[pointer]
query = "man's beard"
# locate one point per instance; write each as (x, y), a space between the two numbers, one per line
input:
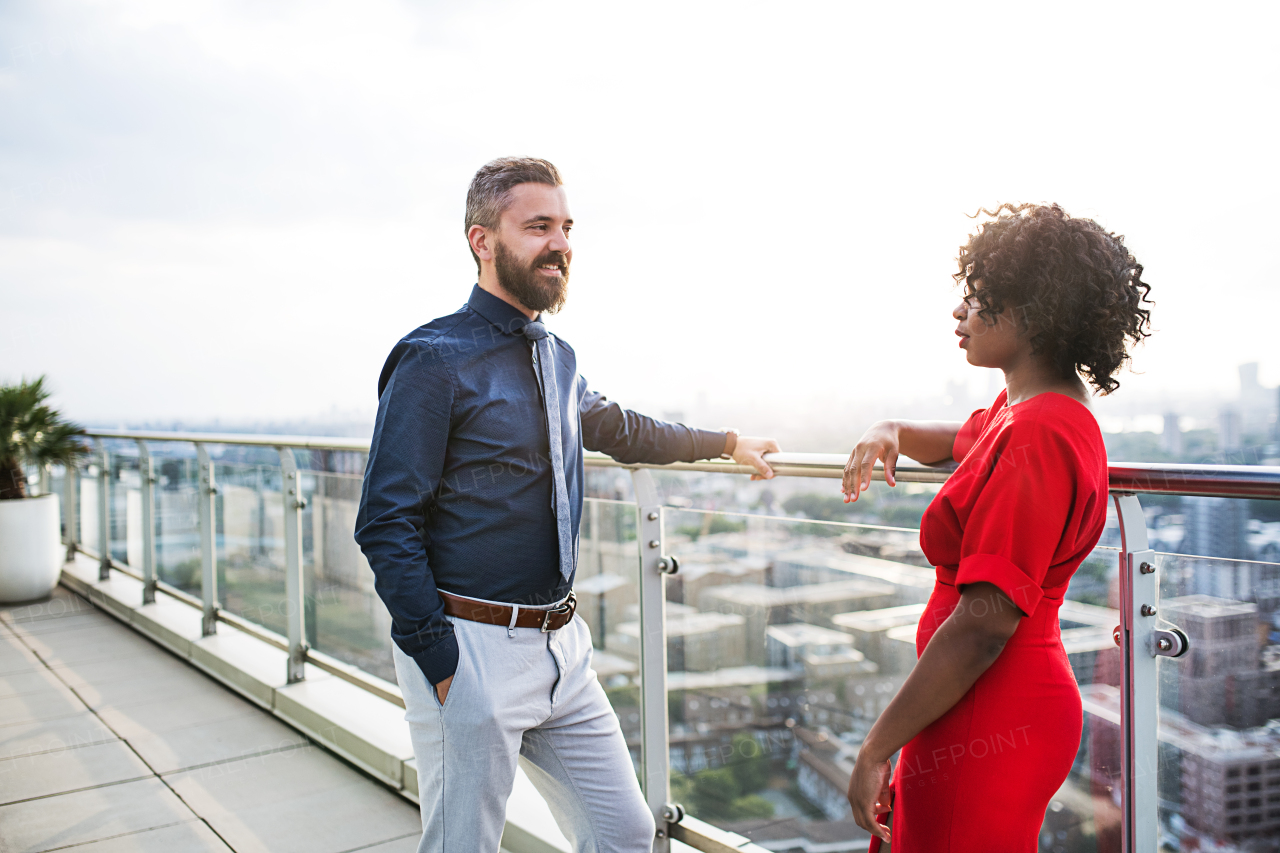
(535, 291)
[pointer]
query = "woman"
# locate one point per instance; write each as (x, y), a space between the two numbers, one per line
(989, 720)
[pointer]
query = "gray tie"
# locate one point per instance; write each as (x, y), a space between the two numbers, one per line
(544, 364)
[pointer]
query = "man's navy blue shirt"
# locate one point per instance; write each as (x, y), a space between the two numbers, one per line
(458, 490)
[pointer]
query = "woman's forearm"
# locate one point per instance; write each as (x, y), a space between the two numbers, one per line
(927, 442)
(961, 650)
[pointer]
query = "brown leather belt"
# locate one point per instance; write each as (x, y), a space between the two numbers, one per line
(500, 614)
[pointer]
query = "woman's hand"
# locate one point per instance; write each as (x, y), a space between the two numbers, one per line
(869, 794)
(880, 441)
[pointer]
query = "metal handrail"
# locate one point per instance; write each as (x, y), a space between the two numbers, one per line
(301, 442)
(1149, 478)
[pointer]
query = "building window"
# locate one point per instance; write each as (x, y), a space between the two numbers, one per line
(1233, 789)
(1233, 804)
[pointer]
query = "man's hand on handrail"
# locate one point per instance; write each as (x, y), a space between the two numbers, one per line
(750, 450)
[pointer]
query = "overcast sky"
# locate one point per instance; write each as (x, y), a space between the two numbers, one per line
(234, 210)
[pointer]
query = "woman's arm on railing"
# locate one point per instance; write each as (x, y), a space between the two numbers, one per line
(927, 442)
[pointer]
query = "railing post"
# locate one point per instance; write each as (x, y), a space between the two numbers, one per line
(147, 474)
(294, 588)
(654, 749)
(104, 512)
(207, 510)
(46, 481)
(71, 507)
(1139, 701)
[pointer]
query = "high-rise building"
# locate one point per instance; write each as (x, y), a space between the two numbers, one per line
(1171, 438)
(1217, 527)
(1231, 785)
(1221, 681)
(1229, 429)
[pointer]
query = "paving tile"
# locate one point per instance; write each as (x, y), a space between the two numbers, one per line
(298, 800)
(219, 740)
(16, 657)
(408, 844)
(43, 705)
(53, 822)
(136, 691)
(68, 770)
(175, 712)
(190, 837)
(33, 681)
(47, 735)
(63, 602)
(104, 641)
(99, 672)
(72, 622)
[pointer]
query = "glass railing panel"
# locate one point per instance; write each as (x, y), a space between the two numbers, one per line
(1219, 731)
(786, 640)
(177, 491)
(57, 485)
(345, 617)
(124, 494)
(87, 504)
(608, 591)
(788, 637)
(250, 534)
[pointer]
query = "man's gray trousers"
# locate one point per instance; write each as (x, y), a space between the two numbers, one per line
(521, 694)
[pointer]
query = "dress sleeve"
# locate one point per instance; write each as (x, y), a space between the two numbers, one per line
(967, 437)
(1018, 519)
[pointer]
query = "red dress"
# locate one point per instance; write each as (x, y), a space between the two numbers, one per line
(1025, 507)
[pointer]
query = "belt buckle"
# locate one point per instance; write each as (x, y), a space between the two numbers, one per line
(569, 606)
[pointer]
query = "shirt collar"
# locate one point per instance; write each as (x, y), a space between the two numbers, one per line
(501, 314)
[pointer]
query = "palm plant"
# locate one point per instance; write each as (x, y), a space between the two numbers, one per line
(32, 433)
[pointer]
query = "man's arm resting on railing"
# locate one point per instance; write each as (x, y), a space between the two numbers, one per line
(928, 442)
(406, 462)
(629, 436)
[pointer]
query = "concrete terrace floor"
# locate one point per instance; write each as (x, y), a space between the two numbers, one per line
(110, 744)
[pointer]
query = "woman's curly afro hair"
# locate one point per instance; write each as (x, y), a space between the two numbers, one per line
(1075, 288)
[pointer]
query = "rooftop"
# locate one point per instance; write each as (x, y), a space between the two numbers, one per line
(105, 735)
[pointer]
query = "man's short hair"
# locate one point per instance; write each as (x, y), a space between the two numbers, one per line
(490, 192)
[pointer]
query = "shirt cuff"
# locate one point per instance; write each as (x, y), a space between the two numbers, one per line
(706, 444)
(1010, 579)
(439, 660)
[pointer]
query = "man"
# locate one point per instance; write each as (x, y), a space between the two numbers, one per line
(469, 518)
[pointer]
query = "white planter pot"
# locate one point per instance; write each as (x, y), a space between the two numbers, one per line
(31, 554)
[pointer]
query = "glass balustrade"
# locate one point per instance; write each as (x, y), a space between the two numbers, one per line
(177, 491)
(344, 616)
(250, 539)
(1219, 731)
(789, 627)
(608, 593)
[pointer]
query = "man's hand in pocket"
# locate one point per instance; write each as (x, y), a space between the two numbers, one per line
(442, 689)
